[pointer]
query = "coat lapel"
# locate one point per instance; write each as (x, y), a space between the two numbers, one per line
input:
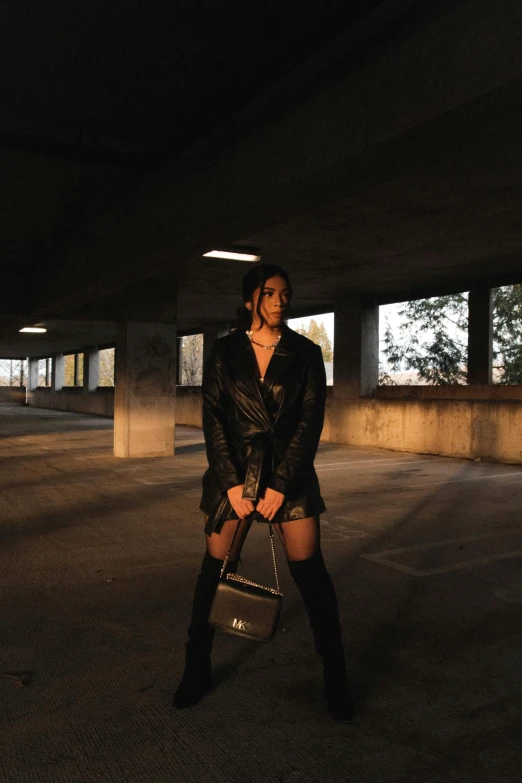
(243, 360)
(282, 357)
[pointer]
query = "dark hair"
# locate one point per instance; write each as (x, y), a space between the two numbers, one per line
(255, 278)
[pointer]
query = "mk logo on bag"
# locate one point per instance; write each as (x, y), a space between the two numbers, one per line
(239, 624)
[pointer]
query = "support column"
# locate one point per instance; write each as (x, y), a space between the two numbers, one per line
(480, 336)
(76, 370)
(178, 360)
(356, 349)
(145, 390)
(32, 374)
(57, 372)
(91, 369)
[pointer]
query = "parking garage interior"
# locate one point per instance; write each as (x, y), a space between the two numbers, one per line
(373, 150)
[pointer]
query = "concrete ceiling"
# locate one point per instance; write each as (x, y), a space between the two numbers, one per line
(371, 148)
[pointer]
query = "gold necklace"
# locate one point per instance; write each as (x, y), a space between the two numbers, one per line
(274, 345)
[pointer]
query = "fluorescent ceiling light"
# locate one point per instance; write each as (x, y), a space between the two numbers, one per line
(34, 329)
(232, 256)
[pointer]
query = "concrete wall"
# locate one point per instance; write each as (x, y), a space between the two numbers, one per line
(99, 403)
(428, 421)
(453, 428)
(188, 405)
(12, 394)
(458, 421)
(472, 392)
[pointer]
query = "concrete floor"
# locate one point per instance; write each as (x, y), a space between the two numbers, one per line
(98, 562)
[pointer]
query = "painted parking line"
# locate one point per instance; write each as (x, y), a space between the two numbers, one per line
(361, 465)
(509, 475)
(360, 462)
(384, 557)
(153, 481)
(331, 531)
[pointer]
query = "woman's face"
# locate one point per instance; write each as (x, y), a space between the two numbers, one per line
(274, 296)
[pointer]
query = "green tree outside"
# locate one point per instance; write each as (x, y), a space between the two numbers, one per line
(507, 334)
(318, 334)
(432, 338)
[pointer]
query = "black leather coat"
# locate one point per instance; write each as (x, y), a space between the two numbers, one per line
(263, 434)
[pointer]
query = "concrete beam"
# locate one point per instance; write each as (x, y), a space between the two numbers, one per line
(145, 390)
(281, 156)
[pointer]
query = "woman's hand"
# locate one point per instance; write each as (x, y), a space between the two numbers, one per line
(270, 504)
(241, 506)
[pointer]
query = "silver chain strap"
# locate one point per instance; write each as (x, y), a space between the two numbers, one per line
(271, 530)
(273, 554)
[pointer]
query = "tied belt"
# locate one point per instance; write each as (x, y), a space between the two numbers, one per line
(260, 449)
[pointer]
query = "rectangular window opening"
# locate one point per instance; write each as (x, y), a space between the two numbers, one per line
(507, 335)
(44, 373)
(190, 360)
(73, 369)
(424, 342)
(13, 372)
(107, 356)
(319, 329)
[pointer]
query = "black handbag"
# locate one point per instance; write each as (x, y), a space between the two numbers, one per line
(245, 608)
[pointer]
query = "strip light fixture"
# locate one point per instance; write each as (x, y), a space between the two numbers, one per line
(33, 329)
(232, 256)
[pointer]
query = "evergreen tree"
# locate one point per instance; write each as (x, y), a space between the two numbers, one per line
(432, 338)
(507, 334)
(318, 334)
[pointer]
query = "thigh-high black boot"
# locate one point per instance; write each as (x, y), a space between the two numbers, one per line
(317, 591)
(196, 676)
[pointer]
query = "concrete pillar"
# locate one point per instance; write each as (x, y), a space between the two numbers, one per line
(145, 390)
(178, 360)
(32, 374)
(480, 336)
(369, 349)
(57, 372)
(91, 369)
(356, 349)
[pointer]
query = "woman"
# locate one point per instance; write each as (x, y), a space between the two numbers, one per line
(264, 391)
